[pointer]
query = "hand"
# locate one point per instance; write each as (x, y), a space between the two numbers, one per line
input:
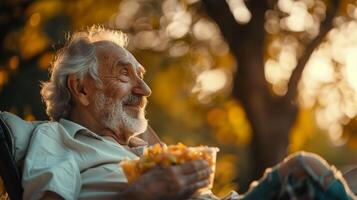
(49, 195)
(175, 182)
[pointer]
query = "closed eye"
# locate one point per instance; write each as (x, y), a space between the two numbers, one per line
(124, 72)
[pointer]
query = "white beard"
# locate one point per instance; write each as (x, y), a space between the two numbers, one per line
(116, 119)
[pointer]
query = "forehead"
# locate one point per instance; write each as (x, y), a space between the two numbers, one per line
(112, 57)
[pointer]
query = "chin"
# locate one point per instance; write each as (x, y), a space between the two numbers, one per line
(132, 126)
(140, 127)
(135, 114)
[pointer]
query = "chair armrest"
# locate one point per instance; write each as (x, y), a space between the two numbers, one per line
(8, 169)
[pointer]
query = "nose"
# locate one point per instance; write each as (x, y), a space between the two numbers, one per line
(142, 89)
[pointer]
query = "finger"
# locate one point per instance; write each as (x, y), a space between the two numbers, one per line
(191, 167)
(192, 188)
(198, 176)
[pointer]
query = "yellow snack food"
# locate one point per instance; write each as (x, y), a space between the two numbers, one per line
(168, 156)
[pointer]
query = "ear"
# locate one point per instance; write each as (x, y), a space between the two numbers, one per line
(78, 90)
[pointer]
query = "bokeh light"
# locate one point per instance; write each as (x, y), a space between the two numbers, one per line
(192, 70)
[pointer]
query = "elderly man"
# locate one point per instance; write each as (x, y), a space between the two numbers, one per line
(96, 99)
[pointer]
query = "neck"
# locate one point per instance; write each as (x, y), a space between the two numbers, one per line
(119, 138)
(86, 119)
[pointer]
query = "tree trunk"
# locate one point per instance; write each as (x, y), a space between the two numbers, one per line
(270, 117)
(271, 128)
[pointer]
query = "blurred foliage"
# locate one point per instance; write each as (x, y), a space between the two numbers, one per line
(189, 68)
(3, 194)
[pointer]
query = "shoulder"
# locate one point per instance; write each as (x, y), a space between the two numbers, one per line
(50, 129)
(47, 139)
(47, 126)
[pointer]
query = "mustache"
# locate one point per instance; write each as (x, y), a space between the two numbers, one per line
(133, 99)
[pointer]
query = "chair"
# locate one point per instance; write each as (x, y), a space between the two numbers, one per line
(15, 135)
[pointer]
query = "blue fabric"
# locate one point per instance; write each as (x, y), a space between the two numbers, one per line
(271, 186)
(337, 191)
(267, 188)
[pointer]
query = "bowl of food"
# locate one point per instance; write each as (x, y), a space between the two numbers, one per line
(165, 156)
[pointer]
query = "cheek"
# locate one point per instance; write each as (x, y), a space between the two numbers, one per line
(116, 91)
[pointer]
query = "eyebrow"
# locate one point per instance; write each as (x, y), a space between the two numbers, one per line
(121, 63)
(140, 68)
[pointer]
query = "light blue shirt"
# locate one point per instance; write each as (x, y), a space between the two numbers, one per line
(75, 163)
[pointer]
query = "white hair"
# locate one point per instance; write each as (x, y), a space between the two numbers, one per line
(78, 57)
(114, 116)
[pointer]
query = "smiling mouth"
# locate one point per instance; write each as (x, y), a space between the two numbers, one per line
(140, 103)
(135, 108)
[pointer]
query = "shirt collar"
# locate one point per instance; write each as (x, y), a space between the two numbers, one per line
(74, 128)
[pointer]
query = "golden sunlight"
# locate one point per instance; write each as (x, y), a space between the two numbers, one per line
(35, 19)
(351, 67)
(180, 24)
(205, 30)
(210, 81)
(299, 18)
(3, 77)
(239, 11)
(278, 70)
(125, 16)
(329, 79)
(14, 62)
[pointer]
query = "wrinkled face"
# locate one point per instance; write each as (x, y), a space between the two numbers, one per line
(120, 101)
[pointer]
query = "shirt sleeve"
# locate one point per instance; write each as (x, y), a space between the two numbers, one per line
(50, 165)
